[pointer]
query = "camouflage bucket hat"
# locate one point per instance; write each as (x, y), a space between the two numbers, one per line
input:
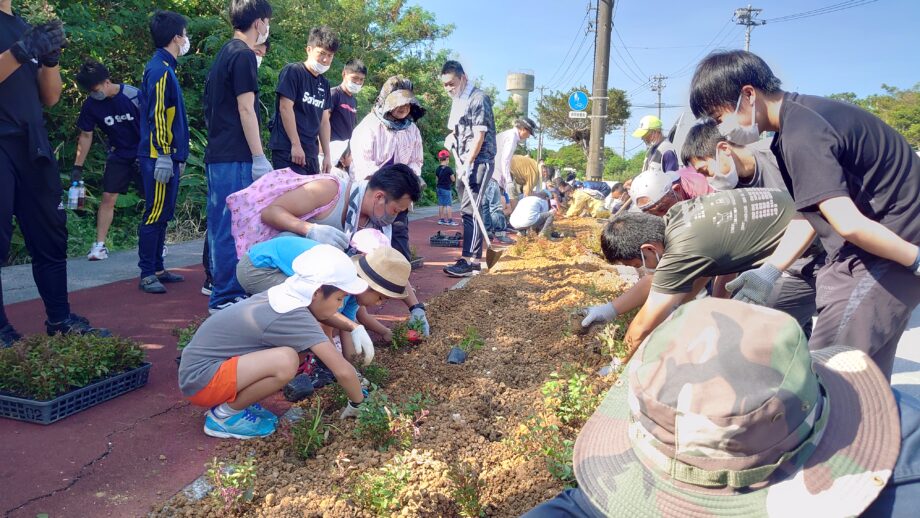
(726, 413)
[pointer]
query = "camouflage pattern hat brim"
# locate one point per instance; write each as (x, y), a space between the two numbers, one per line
(840, 476)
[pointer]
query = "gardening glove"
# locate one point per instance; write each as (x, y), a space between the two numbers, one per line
(181, 168)
(328, 235)
(260, 166)
(351, 410)
(916, 267)
(51, 59)
(598, 314)
(163, 169)
(754, 286)
(419, 315)
(363, 344)
(42, 42)
(76, 174)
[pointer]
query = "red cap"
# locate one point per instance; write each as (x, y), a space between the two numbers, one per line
(442, 154)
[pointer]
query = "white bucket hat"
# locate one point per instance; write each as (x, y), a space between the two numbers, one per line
(322, 264)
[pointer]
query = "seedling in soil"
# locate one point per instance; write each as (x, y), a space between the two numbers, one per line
(570, 397)
(234, 484)
(379, 491)
(471, 341)
(310, 433)
(613, 346)
(376, 374)
(541, 438)
(384, 424)
(406, 334)
(466, 490)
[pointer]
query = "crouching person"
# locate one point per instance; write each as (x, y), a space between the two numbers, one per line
(533, 213)
(249, 351)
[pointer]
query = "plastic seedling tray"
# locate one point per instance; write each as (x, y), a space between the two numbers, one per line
(448, 241)
(47, 412)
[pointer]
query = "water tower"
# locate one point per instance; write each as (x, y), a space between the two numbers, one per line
(520, 84)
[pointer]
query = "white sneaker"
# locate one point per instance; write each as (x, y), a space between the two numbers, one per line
(165, 251)
(98, 252)
(226, 305)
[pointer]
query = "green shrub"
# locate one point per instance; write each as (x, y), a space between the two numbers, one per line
(570, 397)
(376, 374)
(233, 484)
(379, 491)
(184, 334)
(384, 424)
(310, 433)
(471, 341)
(466, 490)
(43, 367)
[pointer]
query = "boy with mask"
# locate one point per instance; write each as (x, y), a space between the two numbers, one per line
(115, 109)
(163, 147)
(234, 156)
(344, 106)
(853, 177)
(302, 105)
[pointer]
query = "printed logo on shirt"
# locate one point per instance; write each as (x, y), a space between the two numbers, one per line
(312, 101)
(348, 107)
(111, 120)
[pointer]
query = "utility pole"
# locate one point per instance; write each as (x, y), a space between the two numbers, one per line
(658, 86)
(624, 142)
(746, 16)
(599, 93)
(540, 128)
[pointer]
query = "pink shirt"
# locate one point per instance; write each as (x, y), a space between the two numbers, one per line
(373, 145)
(693, 184)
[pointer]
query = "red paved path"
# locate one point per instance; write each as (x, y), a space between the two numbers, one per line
(125, 455)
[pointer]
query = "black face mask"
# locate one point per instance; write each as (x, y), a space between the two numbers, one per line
(386, 219)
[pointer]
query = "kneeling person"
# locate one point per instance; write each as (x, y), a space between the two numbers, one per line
(533, 213)
(249, 351)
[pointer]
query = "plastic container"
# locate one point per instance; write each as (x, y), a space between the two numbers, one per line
(81, 195)
(73, 196)
(452, 241)
(47, 412)
(456, 356)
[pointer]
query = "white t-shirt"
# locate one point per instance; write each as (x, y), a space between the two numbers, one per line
(528, 211)
(505, 144)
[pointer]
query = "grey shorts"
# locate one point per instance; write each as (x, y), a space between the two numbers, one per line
(256, 280)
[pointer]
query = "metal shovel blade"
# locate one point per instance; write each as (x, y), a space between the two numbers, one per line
(493, 255)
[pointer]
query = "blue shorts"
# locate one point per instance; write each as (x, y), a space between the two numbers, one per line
(445, 197)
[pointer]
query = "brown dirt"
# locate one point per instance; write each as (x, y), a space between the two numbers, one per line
(522, 310)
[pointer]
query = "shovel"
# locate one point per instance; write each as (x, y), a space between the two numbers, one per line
(493, 254)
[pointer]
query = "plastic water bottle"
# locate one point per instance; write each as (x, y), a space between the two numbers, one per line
(81, 197)
(73, 196)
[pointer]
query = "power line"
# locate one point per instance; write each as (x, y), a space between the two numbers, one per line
(746, 16)
(638, 68)
(579, 70)
(571, 46)
(832, 8)
(560, 81)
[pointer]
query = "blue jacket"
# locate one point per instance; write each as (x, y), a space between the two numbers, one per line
(164, 124)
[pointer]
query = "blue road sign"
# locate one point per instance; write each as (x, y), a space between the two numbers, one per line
(578, 101)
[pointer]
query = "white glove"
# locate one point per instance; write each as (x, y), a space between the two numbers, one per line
(754, 286)
(328, 235)
(363, 344)
(598, 314)
(418, 314)
(351, 410)
(163, 169)
(260, 166)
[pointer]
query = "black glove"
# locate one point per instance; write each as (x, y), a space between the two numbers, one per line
(40, 42)
(77, 174)
(50, 60)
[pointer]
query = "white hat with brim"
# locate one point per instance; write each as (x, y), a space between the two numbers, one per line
(653, 185)
(318, 266)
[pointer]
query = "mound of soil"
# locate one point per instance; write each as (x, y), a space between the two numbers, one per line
(522, 311)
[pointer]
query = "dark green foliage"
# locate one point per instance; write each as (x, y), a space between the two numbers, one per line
(43, 367)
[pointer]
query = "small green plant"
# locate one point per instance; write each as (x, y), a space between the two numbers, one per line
(400, 336)
(384, 424)
(466, 490)
(376, 374)
(612, 345)
(233, 484)
(310, 433)
(471, 341)
(43, 367)
(570, 397)
(379, 491)
(184, 334)
(540, 437)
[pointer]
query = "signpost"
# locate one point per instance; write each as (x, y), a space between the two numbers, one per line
(578, 101)
(578, 115)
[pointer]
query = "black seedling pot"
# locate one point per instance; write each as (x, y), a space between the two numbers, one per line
(301, 387)
(456, 356)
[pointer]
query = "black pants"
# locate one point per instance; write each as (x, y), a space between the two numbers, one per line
(400, 239)
(282, 159)
(206, 257)
(480, 175)
(31, 191)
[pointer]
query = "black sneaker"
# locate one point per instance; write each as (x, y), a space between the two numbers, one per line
(8, 336)
(150, 284)
(207, 287)
(168, 276)
(75, 324)
(462, 269)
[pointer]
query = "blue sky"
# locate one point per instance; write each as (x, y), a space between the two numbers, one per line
(854, 50)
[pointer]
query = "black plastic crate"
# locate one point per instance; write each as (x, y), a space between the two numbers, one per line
(47, 412)
(452, 241)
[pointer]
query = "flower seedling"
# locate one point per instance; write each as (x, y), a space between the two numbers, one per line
(233, 484)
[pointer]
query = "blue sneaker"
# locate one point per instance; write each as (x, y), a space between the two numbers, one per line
(263, 413)
(244, 425)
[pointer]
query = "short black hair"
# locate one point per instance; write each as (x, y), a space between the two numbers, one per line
(91, 73)
(355, 66)
(625, 234)
(701, 140)
(166, 25)
(718, 79)
(617, 188)
(244, 13)
(324, 38)
(328, 289)
(396, 181)
(452, 67)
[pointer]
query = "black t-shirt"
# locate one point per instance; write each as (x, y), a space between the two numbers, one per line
(343, 114)
(444, 173)
(311, 98)
(20, 105)
(233, 73)
(827, 149)
(118, 117)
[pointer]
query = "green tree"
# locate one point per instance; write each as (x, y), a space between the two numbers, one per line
(900, 109)
(553, 114)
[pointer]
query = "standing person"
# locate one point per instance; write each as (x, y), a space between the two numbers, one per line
(506, 143)
(660, 150)
(29, 79)
(234, 156)
(115, 109)
(302, 105)
(472, 138)
(389, 135)
(163, 148)
(852, 177)
(446, 181)
(344, 107)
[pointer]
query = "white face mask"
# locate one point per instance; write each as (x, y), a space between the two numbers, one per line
(731, 129)
(645, 270)
(185, 46)
(262, 38)
(353, 88)
(727, 181)
(258, 61)
(318, 67)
